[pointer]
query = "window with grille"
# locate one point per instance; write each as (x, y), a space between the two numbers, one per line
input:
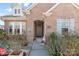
(17, 27)
(65, 26)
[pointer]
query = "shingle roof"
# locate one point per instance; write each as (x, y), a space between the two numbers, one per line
(10, 16)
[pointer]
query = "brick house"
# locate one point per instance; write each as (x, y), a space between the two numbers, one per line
(44, 18)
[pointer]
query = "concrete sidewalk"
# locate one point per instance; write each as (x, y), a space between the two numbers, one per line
(38, 49)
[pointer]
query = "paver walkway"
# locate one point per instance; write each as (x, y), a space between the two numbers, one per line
(38, 49)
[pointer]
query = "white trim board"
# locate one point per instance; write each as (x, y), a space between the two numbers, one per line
(27, 10)
(48, 13)
(75, 5)
(33, 5)
(52, 8)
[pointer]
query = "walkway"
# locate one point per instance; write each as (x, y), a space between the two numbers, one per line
(38, 49)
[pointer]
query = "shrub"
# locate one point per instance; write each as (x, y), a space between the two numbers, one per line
(13, 41)
(67, 46)
(5, 43)
(17, 41)
(53, 46)
(2, 33)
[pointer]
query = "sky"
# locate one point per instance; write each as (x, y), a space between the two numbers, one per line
(5, 9)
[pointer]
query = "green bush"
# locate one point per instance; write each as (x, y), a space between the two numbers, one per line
(12, 41)
(54, 45)
(2, 33)
(17, 41)
(70, 45)
(67, 46)
(4, 43)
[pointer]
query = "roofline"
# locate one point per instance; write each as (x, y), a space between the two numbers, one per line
(75, 5)
(48, 13)
(28, 9)
(53, 7)
(33, 5)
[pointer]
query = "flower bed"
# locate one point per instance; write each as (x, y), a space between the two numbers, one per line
(13, 44)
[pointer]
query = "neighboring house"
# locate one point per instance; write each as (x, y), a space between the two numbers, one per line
(2, 27)
(15, 23)
(1, 24)
(44, 18)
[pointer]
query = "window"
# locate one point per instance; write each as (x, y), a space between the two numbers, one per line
(17, 27)
(15, 11)
(18, 11)
(65, 31)
(65, 26)
(10, 29)
(23, 28)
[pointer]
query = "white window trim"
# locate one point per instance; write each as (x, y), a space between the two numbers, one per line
(20, 28)
(48, 12)
(13, 28)
(71, 25)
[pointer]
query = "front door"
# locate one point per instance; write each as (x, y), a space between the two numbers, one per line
(39, 28)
